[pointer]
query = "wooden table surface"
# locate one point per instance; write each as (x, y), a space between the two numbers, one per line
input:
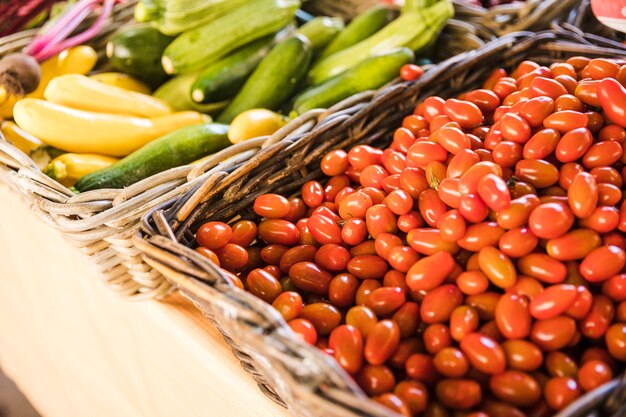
(76, 349)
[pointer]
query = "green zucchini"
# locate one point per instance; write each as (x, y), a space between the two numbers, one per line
(176, 93)
(361, 27)
(175, 149)
(199, 47)
(321, 30)
(178, 16)
(221, 80)
(274, 80)
(370, 74)
(414, 29)
(137, 51)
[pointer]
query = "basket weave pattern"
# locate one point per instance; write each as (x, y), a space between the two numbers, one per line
(301, 375)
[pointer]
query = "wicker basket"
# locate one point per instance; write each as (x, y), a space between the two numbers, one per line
(300, 375)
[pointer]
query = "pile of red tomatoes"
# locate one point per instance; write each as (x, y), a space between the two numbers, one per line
(475, 267)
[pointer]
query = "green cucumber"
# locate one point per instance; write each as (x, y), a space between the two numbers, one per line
(176, 93)
(321, 30)
(361, 27)
(370, 74)
(413, 29)
(274, 80)
(221, 80)
(174, 149)
(137, 51)
(199, 47)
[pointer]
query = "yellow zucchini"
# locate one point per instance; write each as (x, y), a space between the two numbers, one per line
(75, 165)
(84, 93)
(121, 80)
(82, 131)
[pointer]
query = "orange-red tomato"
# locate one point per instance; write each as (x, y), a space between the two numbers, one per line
(484, 304)
(537, 172)
(612, 98)
(292, 256)
(420, 367)
(232, 256)
(515, 128)
(304, 329)
(550, 220)
(602, 263)
(536, 109)
(542, 86)
(522, 355)
(459, 394)
(428, 241)
(616, 341)
(324, 317)
(347, 345)
(450, 362)
(362, 318)
(494, 192)
(463, 321)
(381, 342)
(376, 379)
(414, 394)
(264, 285)
(481, 235)
(468, 183)
(484, 353)
(541, 144)
(407, 318)
(473, 208)
(603, 154)
(385, 300)
(278, 231)
(367, 266)
(517, 214)
(361, 156)
(595, 324)
(542, 267)
(308, 276)
(593, 374)
(379, 219)
(465, 113)
(438, 303)
(565, 121)
(431, 207)
(430, 271)
(559, 392)
(615, 287)
(553, 301)
(497, 267)
(354, 231)
(573, 245)
(515, 387)
(553, 333)
(335, 162)
(518, 242)
(513, 317)
(342, 290)
(392, 401)
(452, 226)
(214, 235)
(472, 282)
(402, 258)
(583, 195)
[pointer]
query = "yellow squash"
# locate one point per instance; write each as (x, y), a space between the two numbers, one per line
(77, 60)
(84, 93)
(72, 166)
(82, 131)
(121, 80)
(20, 139)
(254, 123)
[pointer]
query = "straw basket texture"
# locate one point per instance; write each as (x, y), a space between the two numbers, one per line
(301, 376)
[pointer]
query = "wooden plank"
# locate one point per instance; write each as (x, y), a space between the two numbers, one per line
(77, 349)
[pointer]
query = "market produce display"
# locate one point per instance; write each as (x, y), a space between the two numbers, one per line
(198, 59)
(476, 264)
